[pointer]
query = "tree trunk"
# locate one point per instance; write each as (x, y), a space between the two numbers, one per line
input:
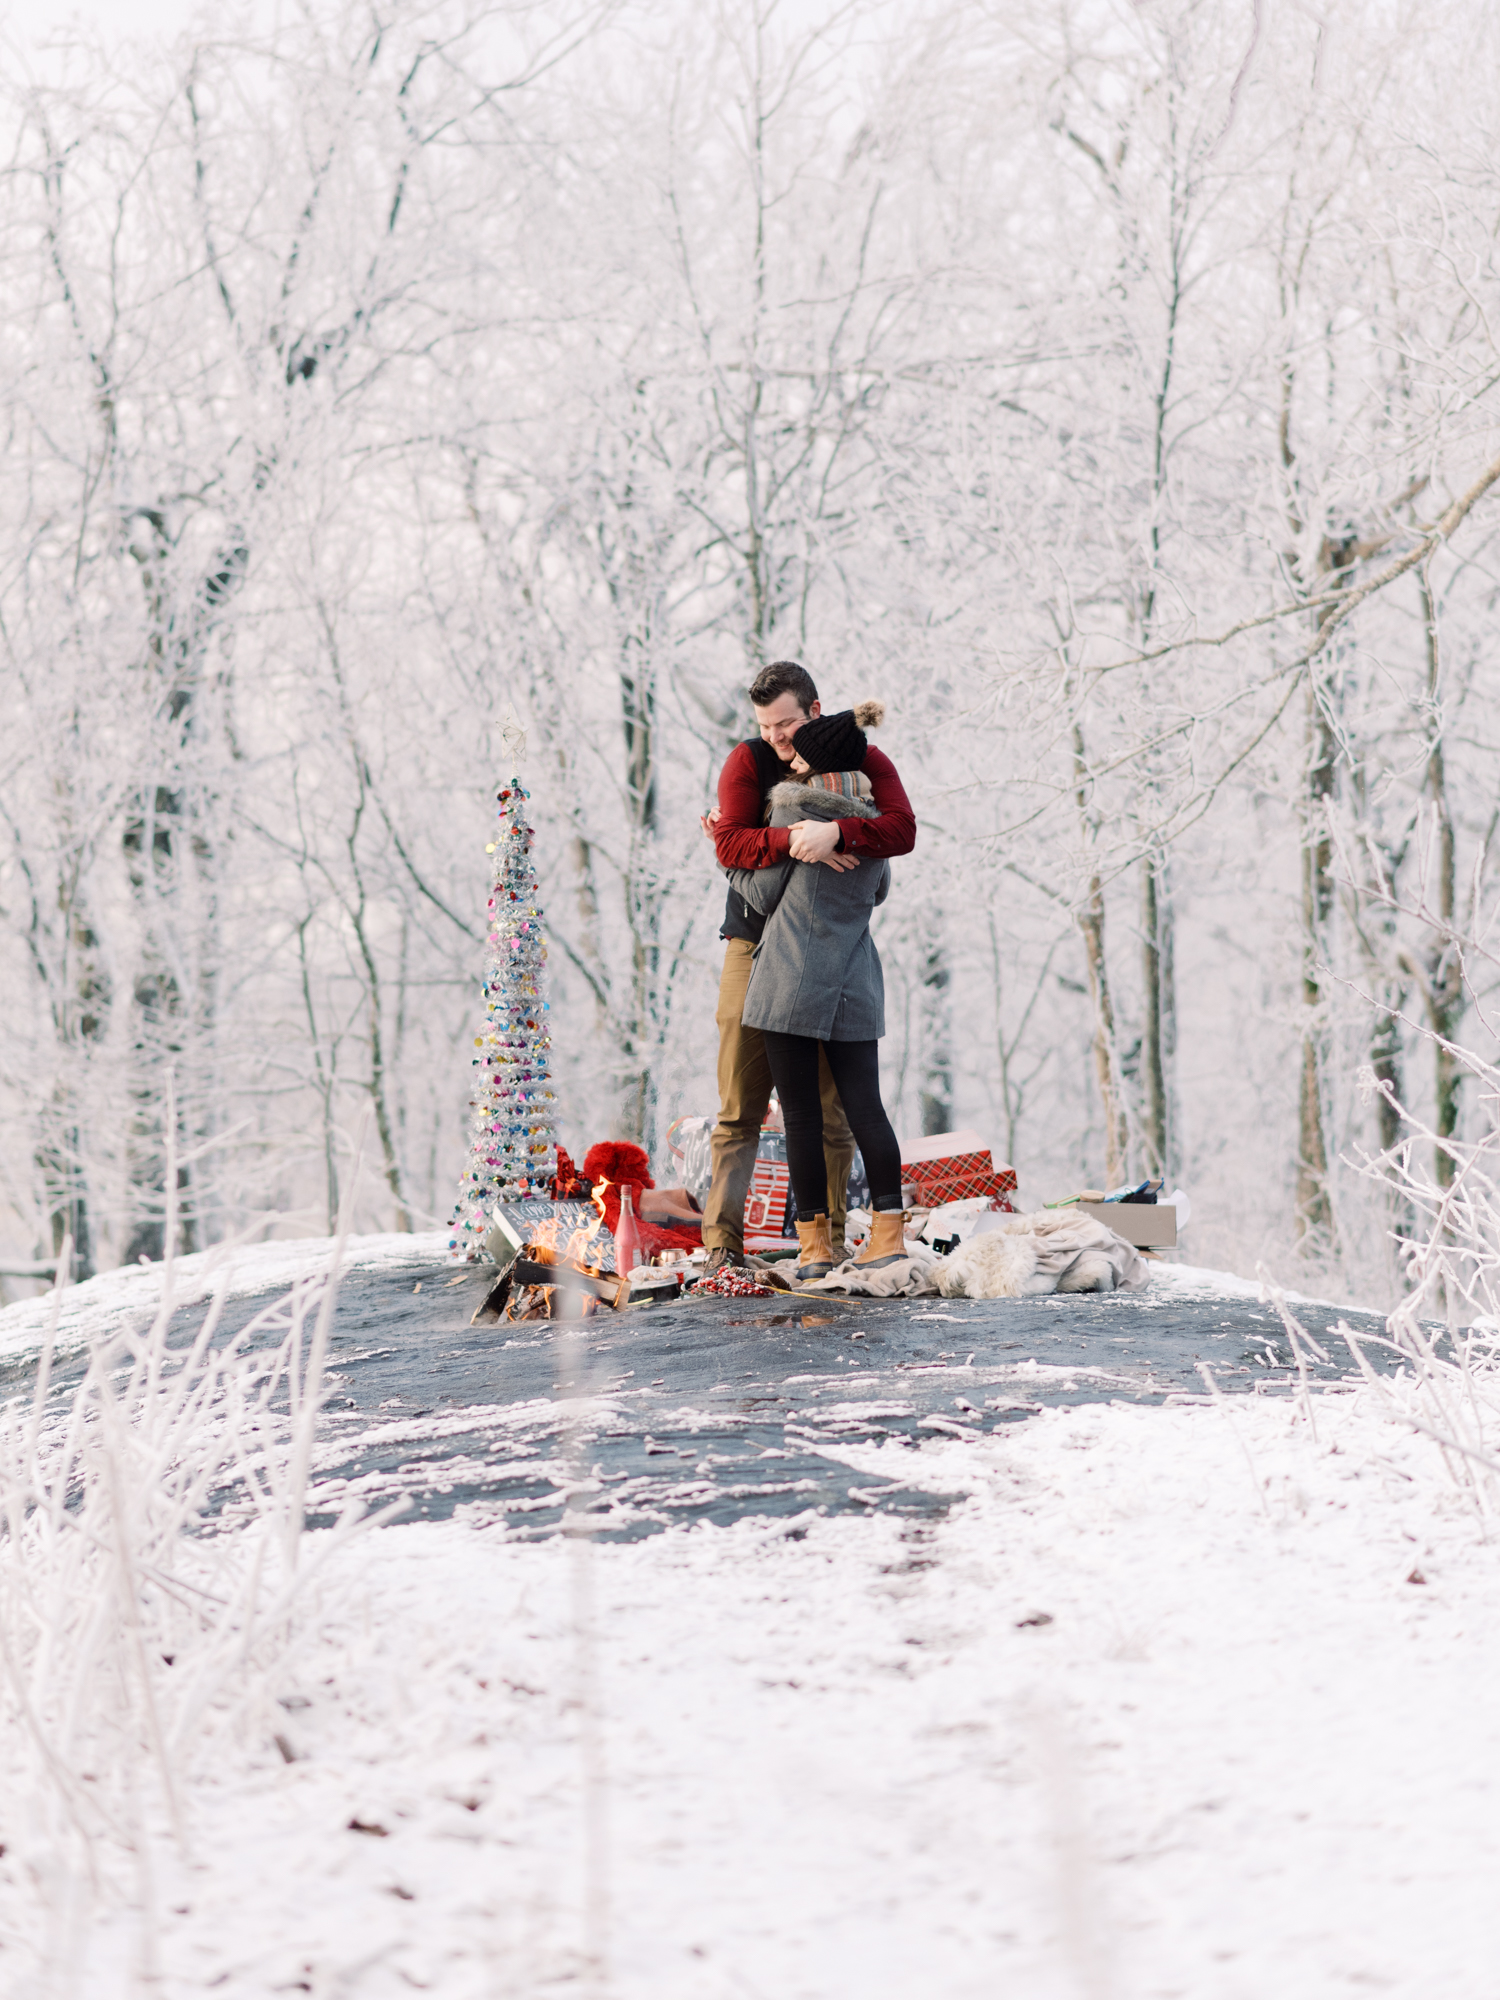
(1376, 927)
(63, 1176)
(166, 842)
(1385, 1066)
(1444, 966)
(154, 841)
(1091, 925)
(326, 1075)
(1314, 1207)
(936, 1031)
(1315, 1223)
(157, 1009)
(378, 1084)
(638, 1093)
(80, 1025)
(1159, 1027)
(1159, 972)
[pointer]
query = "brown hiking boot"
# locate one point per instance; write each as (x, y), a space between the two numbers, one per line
(816, 1258)
(717, 1259)
(887, 1244)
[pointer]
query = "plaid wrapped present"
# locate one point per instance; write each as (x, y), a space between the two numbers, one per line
(954, 1166)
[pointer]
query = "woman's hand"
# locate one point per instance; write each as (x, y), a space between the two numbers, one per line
(709, 821)
(818, 840)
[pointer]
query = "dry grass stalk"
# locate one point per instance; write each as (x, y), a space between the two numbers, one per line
(153, 1547)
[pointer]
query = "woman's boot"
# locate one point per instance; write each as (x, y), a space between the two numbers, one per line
(887, 1244)
(816, 1259)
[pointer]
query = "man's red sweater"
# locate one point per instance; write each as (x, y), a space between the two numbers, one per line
(740, 841)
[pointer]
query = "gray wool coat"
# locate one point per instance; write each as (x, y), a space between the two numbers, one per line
(816, 969)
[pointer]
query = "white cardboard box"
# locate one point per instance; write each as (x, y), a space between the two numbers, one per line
(1148, 1227)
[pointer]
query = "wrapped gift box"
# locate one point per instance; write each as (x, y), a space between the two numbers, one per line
(954, 1166)
(765, 1204)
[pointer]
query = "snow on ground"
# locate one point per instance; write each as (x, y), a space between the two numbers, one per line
(1187, 1282)
(1161, 1710)
(1181, 1701)
(99, 1304)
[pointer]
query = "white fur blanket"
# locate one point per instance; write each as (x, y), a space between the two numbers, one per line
(1019, 1256)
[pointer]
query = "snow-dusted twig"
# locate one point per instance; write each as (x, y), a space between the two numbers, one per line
(1219, 1399)
(1297, 1334)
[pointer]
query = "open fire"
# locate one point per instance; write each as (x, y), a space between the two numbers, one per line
(549, 1279)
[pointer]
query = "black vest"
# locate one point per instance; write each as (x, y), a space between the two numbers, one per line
(740, 921)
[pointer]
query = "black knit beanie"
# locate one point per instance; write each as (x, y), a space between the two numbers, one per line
(832, 742)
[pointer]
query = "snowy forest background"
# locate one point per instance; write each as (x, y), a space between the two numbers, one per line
(1108, 387)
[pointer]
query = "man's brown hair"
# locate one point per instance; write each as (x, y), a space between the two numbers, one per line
(783, 677)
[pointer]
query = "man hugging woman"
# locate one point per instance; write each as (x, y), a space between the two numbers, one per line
(816, 983)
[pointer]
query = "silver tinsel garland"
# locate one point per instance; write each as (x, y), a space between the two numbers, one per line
(513, 1153)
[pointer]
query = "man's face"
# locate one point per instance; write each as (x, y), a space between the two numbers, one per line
(780, 722)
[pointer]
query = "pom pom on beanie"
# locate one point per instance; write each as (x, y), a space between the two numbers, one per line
(869, 714)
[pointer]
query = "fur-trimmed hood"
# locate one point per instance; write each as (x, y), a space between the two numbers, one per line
(816, 802)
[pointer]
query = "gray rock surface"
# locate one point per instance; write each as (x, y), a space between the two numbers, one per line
(717, 1409)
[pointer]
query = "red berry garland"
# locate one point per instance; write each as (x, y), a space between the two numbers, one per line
(728, 1283)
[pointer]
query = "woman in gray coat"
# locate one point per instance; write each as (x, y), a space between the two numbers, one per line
(816, 978)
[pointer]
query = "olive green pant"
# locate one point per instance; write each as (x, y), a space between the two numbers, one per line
(744, 1093)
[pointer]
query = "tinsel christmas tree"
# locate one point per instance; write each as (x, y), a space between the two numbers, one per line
(512, 1156)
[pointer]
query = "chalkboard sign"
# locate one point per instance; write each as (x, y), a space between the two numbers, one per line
(514, 1224)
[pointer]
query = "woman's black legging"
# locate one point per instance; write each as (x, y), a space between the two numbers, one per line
(856, 1071)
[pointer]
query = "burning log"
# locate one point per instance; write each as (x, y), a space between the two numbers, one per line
(605, 1285)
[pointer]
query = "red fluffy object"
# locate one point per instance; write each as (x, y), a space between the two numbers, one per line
(617, 1160)
(621, 1163)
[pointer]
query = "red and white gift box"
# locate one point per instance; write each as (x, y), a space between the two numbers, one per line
(765, 1204)
(954, 1166)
